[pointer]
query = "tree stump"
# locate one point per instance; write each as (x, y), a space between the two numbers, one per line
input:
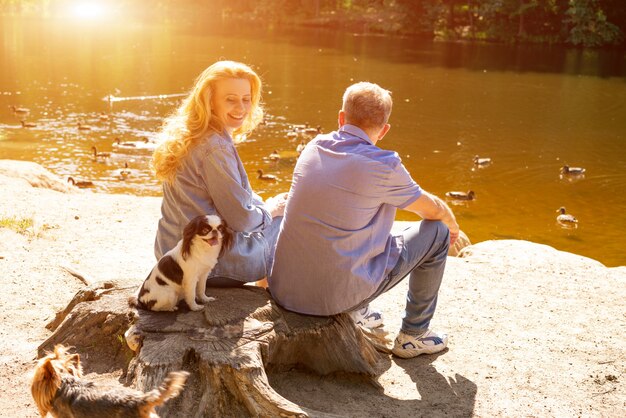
(227, 348)
(94, 323)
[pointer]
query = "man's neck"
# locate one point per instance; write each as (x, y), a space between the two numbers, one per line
(366, 133)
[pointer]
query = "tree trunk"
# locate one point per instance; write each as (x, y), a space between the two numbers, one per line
(227, 348)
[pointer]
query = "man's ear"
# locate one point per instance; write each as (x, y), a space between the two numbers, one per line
(341, 119)
(383, 131)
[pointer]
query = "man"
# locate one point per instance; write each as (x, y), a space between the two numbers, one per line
(335, 251)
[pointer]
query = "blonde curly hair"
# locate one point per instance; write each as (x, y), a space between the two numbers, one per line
(194, 119)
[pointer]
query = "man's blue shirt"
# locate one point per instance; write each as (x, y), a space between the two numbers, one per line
(334, 247)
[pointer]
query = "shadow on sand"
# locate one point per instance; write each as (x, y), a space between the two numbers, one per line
(341, 395)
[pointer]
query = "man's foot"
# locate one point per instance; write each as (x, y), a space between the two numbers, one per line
(367, 317)
(407, 346)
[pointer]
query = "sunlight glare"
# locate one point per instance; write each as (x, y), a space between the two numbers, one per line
(88, 10)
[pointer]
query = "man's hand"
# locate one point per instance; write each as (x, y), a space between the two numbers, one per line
(429, 206)
(454, 232)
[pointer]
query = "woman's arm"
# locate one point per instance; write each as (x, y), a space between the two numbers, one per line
(221, 172)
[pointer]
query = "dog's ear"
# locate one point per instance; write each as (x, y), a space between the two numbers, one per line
(48, 372)
(227, 239)
(75, 368)
(46, 383)
(188, 233)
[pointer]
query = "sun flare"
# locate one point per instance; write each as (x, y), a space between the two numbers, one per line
(89, 10)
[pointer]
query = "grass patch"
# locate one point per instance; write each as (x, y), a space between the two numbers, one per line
(19, 225)
(24, 226)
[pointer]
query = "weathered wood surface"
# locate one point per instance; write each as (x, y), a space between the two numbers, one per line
(94, 323)
(227, 347)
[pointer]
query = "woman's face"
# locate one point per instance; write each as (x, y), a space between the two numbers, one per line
(232, 101)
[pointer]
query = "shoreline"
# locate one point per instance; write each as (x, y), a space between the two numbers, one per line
(37, 176)
(520, 343)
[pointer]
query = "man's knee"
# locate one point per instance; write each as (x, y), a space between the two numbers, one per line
(440, 232)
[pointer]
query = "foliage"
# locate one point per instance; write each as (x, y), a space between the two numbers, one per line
(588, 23)
(420, 16)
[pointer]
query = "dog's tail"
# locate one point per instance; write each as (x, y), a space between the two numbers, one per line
(170, 388)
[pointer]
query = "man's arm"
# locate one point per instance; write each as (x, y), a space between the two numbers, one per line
(430, 207)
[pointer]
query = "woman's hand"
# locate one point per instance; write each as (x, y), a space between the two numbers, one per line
(276, 205)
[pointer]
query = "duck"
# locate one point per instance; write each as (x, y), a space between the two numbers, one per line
(103, 116)
(80, 183)
(313, 131)
(469, 195)
(300, 147)
(117, 143)
(96, 154)
(125, 172)
(566, 219)
(274, 156)
(82, 127)
(292, 134)
(566, 169)
(20, 111)
(28, 124)
(268, 177)
(481, 161)
(144, 144)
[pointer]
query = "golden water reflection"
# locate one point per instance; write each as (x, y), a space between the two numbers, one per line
(451, 103)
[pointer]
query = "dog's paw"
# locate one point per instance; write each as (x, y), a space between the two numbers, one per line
(133, 338)
(196, 307)
(207, 299)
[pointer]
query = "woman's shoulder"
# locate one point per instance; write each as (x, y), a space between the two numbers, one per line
(215, 141)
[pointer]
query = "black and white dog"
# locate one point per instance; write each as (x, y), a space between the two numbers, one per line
(182, 272)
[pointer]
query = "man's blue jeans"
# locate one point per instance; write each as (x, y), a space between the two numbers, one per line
(423, 260)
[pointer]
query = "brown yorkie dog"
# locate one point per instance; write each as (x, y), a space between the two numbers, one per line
(58, 388)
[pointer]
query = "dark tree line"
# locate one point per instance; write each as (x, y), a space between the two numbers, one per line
(589, 23)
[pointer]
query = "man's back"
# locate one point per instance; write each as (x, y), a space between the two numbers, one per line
(334, 248)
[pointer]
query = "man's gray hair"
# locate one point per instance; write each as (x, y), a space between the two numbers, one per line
(367, 105)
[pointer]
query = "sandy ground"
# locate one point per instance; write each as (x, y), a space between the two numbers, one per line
(533, 331)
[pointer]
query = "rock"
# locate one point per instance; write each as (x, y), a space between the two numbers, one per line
(462, 242)
(34, 174)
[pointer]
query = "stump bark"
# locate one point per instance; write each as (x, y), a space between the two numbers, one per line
(227, 348)
(94, 323)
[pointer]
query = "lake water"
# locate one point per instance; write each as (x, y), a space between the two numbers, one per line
(531, 109)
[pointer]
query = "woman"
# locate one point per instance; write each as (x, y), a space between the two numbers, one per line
(203, 174)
